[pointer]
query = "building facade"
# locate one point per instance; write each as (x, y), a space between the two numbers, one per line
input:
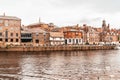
(73, 37)
(26, 38)
(41, 25)
(112, 38)
(56, 38)
(39, 37)
(93, 36)
(10, 30)
(108, 36)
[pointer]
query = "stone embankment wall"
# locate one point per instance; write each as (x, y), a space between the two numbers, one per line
(59, 48)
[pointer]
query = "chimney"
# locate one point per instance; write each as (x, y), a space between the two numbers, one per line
(4, 14)
(108, 25)
(39, 20)
(84, 24)
(77, 25)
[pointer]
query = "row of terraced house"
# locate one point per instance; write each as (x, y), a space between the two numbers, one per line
(42, 34)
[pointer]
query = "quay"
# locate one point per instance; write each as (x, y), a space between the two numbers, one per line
(59, 48)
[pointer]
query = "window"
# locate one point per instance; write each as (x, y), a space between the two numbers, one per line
(17, 40)
(73, 40)
(0, 34)
(6, 33)
(44, 34)
(37, 34)
(65, 41)
(30, 35)
(16, 34)
(6, 40)
(11, 40)
(11, 34)
(69, 40)
(37, 41)
(76, 41)
(0, 39)
(79, 40)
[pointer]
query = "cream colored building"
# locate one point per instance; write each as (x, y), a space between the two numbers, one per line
(56, 38)
(10, 29)
(93, 36)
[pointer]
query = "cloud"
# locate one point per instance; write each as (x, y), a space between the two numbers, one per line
(63, 12)
(107, 6)
(102, 6)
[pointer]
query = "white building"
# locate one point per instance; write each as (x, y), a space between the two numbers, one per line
(56, 38)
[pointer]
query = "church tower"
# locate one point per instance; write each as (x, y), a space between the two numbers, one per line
(104, 26)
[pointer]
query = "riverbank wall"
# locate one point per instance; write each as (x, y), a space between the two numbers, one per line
(59, 48)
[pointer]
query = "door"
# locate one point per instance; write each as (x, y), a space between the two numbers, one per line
(65, 41)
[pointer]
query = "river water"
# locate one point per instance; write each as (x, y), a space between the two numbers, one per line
(67, 65)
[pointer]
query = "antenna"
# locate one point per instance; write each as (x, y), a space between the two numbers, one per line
(39, 20)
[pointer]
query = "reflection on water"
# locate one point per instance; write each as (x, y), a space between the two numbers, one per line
(74, 65)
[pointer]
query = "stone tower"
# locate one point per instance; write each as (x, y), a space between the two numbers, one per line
(104, 25)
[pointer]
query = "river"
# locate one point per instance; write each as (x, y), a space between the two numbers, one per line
(62, 65)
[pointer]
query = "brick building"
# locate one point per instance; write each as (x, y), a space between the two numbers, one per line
(35, 37)
(10, 29)
(108, 35)
(41, 25)
(73, 37)
(40, 37)
(93, 36)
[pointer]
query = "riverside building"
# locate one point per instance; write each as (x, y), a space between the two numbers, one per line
(26, 38)
(10, 30)
(56, 38)
(73, 37)
(108, 36)
(34, 37)
(93, 36)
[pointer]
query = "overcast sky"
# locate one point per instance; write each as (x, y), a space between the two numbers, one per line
(64, 12)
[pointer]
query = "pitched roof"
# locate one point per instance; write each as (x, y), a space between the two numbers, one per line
(9, 17)
(35, 30)
(56, 29)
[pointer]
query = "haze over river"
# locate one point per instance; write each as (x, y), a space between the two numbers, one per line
(62, 65)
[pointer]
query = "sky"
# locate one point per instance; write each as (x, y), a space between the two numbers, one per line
(64, 12)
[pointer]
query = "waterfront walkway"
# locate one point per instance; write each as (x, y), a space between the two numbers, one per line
(59, 48)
